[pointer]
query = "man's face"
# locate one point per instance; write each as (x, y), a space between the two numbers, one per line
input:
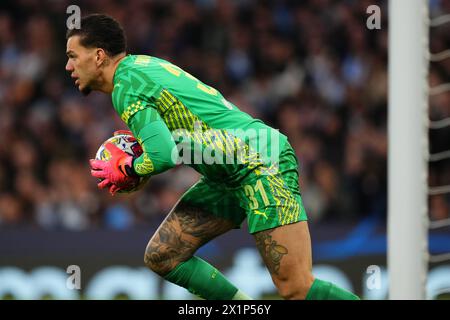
(82, 64)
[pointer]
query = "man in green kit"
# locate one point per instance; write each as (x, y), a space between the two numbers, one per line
(248, 169)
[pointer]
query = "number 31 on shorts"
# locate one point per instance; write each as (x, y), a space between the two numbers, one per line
(252, 192)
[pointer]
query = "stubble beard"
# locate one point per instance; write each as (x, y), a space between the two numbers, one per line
(86, 90)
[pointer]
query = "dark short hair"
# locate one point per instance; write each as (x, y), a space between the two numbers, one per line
(100, 31)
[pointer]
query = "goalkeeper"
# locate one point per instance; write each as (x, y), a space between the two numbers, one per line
(248, 169)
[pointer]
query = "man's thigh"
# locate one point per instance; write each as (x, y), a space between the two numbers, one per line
(286, 251)
(197, 218)
(218, 200)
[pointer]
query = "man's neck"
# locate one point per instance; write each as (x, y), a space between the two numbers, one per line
(108, 74)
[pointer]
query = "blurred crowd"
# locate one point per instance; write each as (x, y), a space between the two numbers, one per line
(309, 68)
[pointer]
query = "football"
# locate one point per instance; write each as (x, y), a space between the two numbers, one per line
(130, 145)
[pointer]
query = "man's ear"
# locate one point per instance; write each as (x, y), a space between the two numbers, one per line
(101, 57)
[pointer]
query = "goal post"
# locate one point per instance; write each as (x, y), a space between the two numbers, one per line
(408, 149)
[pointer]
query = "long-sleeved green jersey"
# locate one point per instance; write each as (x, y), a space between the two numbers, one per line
(178, 119)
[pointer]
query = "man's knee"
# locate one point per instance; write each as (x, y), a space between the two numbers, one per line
(162, 259)
(294, 287)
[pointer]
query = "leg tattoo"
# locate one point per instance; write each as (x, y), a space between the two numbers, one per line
(167, 249)
(180, 235)
(270, 250)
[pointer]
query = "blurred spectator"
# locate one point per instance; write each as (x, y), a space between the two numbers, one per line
(439, 207)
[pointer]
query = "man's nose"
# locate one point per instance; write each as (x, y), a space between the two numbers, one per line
(69, 66)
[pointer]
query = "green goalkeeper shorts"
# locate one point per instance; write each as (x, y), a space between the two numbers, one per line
(268, 197)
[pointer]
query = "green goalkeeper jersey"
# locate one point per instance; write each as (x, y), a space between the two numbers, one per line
(178, 119)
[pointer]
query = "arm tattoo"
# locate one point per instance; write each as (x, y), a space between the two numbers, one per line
(270, 250)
